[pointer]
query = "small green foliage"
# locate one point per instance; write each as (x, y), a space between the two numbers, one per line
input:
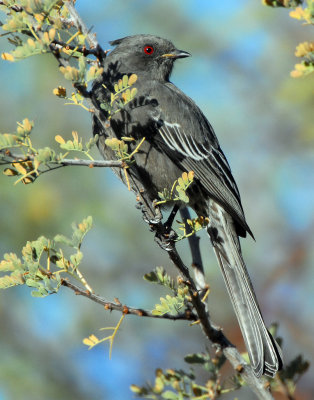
(291, 374)
(210, 364)
(192, 226)
(306, 67)
(79, 232)
(35, 269)
(180, 186)
(305, 49)
(121, 96)
(76, 145)
(171, 305)
(160, 276)
(33, 26)
(93, 340)
(29, 163)
(178, 385)
(119, 147)
(282, 3)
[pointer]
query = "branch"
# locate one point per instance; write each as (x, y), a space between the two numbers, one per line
(197, 263)
(80, 25)
(117, 306)
(92, 164)
(12, 157)
(214, 334)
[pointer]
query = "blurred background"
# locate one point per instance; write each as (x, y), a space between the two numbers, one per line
(239, 75)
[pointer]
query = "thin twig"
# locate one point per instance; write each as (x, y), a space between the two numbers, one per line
(17, 158)
(187, 316)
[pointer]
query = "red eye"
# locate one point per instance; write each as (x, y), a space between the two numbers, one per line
(148, 50)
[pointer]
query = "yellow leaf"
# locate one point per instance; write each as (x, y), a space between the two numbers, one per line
(31, 43)
(60, 91)
(19, 168)
(52, 34)
(75, 136)
(304, 48)
(59, 139)
(94, 338)
(136, 389)
(10, 172)
(46, 37)
(27, 180)
(132, 79)
(27, 124)
(185, 177)
(39, 17)
(7, 57)
(88, 342)
(298, 13)
(191, 175)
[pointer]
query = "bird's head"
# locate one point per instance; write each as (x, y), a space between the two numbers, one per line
(145, 54)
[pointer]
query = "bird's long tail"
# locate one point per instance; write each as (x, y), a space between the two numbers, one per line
(264, 352)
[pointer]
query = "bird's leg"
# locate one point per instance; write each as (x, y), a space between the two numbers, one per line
(169, 222)
(147, 214)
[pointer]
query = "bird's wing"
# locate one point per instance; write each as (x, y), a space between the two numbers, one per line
(186, 132)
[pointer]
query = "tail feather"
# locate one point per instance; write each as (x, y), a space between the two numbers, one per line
(264, 352)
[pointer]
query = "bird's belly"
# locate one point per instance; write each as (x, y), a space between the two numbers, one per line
(156, 170)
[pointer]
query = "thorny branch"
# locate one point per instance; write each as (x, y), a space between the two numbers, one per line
(117, 306)
(12, 157)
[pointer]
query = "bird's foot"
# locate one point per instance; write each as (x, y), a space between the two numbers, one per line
(166, 240)
(147, 214)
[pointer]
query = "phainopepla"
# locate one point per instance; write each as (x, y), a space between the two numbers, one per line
(179, 138)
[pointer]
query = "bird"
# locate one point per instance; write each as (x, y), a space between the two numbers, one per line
(178, 138)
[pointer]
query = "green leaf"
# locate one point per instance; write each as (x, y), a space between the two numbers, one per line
(7, 140)
(169, 395)
(11, 263)
(45, 155)
(63, 239)
(151, 277)
(14, 279)
(196, 358)
(125, 81)
(133, 93)
(76, 258)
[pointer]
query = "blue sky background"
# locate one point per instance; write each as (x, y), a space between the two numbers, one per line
(239, 76)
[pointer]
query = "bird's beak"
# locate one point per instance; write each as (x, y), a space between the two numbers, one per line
(176, 54)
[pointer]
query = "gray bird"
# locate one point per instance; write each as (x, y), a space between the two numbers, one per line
(179, 138)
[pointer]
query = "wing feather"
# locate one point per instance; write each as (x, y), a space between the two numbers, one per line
(209, 164)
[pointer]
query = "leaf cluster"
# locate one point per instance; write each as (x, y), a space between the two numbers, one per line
(179, 384)
(31, 162)
(44, 26)
(178, 190)
(191, 226)
(178, 302)
(304, 50)
(43, 262)
(122, 95)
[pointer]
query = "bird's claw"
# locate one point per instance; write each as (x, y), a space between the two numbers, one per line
(166, 240)
(147, 215)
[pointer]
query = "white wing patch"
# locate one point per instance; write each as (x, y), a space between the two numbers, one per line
(176, 139)
(179, 141)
